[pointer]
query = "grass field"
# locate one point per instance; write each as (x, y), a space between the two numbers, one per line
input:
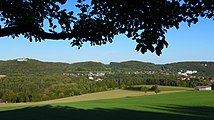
(119, 93)
(166, 88)
(187, 105)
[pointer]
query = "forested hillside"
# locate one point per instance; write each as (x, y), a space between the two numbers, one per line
(13, 67)
(134, 66)
(33, 80)
(203, 68)
(90, 66)
(32, 66)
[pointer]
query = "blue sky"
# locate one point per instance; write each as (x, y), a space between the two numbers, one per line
(186, 44)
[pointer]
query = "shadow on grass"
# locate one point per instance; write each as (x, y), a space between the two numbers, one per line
(199, 112)
(69, 113)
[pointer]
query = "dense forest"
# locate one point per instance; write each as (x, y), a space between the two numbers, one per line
(33, 80)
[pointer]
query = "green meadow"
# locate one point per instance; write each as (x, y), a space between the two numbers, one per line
(183, 105)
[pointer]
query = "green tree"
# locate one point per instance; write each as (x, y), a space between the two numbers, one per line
(99, 21)
(30, 98)
(145, 89)
(1, 94)
(212, 86)
(155, 89)
(17, 99)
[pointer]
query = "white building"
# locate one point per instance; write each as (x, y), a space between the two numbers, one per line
(188, 72)
(22, 59)
(191, 71)
(203, 88)
(99, 79)
(90, 78)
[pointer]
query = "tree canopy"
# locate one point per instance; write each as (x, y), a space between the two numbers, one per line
(99, 21)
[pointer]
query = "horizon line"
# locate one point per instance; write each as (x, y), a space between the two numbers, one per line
(207, 61)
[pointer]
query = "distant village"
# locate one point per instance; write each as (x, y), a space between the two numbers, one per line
(185, 75)
(98, 76)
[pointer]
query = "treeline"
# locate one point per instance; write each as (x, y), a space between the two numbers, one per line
(39, 88)
(144, 88)
(165, 80)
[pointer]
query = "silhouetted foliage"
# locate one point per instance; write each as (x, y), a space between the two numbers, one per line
(99, 21)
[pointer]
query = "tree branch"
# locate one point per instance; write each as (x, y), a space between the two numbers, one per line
(35, 31)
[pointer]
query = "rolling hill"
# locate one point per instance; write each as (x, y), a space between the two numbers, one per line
(33, 66)
(134, 66)
(203, 68)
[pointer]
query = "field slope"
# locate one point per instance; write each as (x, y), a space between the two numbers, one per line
(112, 94)
(187, 105)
